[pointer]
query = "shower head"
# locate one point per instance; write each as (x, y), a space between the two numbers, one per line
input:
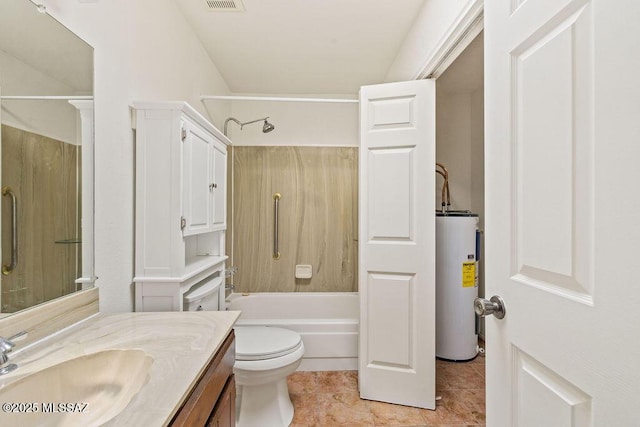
(267, 127)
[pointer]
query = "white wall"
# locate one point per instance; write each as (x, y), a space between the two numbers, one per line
(297, 123)
(459, 126)
(54, 119)
(425, 36)
(453, 146)
(460, 147)
(144, 50)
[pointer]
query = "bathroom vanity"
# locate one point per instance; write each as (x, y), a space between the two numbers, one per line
(130, 369)
(213, 399)
(181, 191)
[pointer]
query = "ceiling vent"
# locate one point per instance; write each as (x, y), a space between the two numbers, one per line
(225, 5)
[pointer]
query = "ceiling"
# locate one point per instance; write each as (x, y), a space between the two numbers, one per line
(303, 46)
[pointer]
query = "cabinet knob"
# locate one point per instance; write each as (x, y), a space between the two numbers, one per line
(212, 186)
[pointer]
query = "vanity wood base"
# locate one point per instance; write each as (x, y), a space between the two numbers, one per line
(224, 414)
(212, 401)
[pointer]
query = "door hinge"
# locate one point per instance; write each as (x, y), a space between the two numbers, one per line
(183, 223)
(183, 134)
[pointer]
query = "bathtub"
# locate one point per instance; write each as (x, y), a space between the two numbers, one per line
(327, 322)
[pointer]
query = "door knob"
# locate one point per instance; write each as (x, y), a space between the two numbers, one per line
(485, 307)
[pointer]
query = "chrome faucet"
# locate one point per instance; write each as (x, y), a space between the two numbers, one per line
(5, 347)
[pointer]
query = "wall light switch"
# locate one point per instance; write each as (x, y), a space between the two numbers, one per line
(303, 271)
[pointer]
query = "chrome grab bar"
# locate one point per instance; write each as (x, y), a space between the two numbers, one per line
(7, 269)
(276, 203)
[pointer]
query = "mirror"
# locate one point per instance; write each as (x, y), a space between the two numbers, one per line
(46, 100)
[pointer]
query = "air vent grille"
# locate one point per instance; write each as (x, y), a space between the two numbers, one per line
(225, 5)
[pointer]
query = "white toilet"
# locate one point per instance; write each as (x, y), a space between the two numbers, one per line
(265, 356)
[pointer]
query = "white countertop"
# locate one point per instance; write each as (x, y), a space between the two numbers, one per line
(181, 344)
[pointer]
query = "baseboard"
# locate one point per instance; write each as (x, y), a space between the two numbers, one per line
(329, 364)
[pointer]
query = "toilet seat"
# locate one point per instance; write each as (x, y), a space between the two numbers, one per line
(254, 343)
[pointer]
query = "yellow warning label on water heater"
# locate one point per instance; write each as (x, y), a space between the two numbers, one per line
(468, 274)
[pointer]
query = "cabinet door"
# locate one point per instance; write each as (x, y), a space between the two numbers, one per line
(224, 413)
(212, 400)
(197, 170)
(220, 187)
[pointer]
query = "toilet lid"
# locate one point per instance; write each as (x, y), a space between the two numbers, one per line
(265, 342)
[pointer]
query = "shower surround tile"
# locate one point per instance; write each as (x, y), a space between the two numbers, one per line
(331, 399)
(318, 217)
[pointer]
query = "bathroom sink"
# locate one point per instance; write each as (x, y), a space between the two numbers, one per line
(88, 390)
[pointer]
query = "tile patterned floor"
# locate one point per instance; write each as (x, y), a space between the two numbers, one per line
(330, 399)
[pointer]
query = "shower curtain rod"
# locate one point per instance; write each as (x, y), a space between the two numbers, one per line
(47, 98)
(279, 99)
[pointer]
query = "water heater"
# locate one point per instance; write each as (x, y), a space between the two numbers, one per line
(456, 285)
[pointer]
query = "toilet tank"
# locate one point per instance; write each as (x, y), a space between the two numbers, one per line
(204, 295)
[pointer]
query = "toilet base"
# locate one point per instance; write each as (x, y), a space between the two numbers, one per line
(266, 405)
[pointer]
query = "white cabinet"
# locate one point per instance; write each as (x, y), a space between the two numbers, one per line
(204, 165)
(197, 168)
(181, 168)
(219, 187)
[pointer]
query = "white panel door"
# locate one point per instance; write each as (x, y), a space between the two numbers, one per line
(397, 243)
(197, 179)
(562, 202)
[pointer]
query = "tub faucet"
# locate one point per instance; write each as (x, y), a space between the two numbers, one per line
(5, 347)
(228, 273)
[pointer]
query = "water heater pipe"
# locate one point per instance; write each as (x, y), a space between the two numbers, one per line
(445, 186)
